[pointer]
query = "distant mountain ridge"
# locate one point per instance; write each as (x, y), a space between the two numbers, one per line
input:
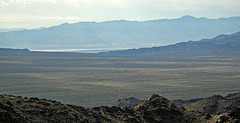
(220, 45)
(120, 34)
(10, 29)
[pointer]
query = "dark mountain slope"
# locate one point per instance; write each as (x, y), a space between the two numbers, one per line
(220, 45)
(216, 104)
(127, 102)
(19, 109)
(213, 105)
(154, 109)
(233, 96)
(159, 109)
(120, 34)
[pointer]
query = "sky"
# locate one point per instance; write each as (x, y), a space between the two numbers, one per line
(46, 13)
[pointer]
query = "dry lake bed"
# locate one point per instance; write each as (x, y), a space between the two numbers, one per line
(94, 80)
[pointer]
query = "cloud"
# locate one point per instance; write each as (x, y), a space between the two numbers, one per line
(120, 3)
(20, 17)
(26, 21)
(21, 2)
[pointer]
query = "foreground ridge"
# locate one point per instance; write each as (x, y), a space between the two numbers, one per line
(154, 109)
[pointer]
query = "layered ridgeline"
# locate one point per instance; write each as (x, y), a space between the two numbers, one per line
(120, 34)
(152, 110)
(226, 45)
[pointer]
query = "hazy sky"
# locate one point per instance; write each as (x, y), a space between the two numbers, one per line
(45, 13)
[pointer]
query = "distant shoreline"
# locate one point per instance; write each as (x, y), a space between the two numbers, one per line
(97, 50)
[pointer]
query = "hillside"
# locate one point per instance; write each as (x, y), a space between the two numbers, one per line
(215, 104)
(221, 45)
(154, 109)
(120, 34)
(19, 109)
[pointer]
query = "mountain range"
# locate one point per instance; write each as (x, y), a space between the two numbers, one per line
(10, 29)
(119, 34)
(221, 45)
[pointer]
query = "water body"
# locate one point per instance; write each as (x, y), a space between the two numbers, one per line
(96, 50)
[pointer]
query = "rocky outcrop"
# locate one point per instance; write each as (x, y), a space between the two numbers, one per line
(156, 109)
(127, 102)
(179, 101)
(232, 116)
(233, 96)
(215, 104)
(160, 109)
